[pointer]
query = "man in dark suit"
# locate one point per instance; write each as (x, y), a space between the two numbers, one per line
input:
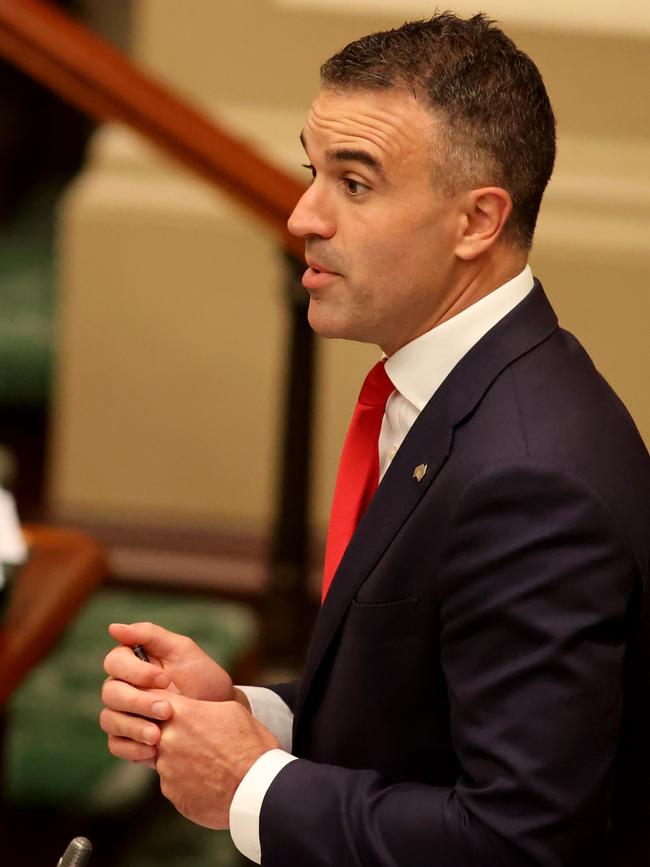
(477, 691)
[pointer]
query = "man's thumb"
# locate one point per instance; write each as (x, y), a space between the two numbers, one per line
(156, 640)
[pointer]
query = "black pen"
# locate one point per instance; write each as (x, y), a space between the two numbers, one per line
(141, 653)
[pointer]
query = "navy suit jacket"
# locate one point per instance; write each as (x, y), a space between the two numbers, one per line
(477, 690)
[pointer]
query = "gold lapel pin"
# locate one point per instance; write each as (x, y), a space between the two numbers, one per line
(418, 472)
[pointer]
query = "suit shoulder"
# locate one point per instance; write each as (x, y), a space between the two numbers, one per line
(568, 408)
(573, 420)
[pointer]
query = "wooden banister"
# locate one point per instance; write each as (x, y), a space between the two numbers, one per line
(94, 76)
(63, 569)
(97, 78)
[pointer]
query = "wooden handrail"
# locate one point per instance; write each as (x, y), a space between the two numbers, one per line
(63, 569)
(94, 76)
(97, 78)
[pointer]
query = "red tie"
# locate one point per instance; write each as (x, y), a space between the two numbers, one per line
(358, 474)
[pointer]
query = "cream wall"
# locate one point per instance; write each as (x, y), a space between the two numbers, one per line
(172, 322)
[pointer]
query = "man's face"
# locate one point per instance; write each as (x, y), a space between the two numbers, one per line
(379, 239)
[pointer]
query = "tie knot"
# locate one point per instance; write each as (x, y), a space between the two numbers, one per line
(376, 386)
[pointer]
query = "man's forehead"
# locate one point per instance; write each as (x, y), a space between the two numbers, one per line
(387, 120)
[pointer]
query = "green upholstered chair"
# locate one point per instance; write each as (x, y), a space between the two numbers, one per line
(56, 758)
(27, 302)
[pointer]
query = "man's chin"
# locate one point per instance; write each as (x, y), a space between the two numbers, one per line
(326, 324)
(321, 320)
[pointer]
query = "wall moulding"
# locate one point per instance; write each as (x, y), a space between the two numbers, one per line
(630, 17)
(598, 198)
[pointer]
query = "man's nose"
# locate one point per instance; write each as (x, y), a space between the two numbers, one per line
(311, 216)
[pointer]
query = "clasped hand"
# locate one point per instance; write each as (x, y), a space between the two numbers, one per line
(181, 714)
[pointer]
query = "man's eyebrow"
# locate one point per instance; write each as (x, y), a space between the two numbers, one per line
(351, 155)
(357, 156)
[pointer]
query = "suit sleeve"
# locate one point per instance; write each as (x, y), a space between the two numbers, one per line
(532, 589)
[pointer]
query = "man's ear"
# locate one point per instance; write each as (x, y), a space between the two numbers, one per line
(485, 213)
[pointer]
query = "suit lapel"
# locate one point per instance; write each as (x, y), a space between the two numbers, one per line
(428, 442)
(396, 497)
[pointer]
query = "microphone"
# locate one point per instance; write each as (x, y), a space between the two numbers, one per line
(77, 854)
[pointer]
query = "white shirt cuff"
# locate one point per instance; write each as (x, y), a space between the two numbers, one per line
(275, 714)
(247, 803)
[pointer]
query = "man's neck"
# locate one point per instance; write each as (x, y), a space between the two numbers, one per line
(480, 279)
(472, 282)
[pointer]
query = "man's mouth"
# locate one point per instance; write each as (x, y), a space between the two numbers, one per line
(318, 268)
(317, 276)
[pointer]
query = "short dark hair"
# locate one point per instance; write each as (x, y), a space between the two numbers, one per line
(499, 127)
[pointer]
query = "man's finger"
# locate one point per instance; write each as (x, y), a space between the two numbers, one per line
(156, 640)
(125, 748)
(120, 696)
(124, 725)
(122, 664)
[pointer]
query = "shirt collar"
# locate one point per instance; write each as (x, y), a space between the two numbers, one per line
(418, 369)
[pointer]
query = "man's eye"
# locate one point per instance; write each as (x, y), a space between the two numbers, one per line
(311, 169)
(354, 188)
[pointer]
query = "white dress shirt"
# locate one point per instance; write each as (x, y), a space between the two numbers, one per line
(416, 370)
